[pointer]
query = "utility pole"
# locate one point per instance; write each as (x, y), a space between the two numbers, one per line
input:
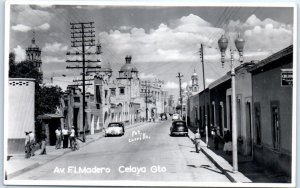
(180, 93)
(203, 78)
(82, 36)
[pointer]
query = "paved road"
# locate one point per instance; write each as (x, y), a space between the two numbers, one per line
(156, 157)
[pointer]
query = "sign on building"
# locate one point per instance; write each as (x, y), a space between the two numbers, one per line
(286, 77)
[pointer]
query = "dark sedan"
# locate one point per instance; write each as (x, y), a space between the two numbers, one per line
(178, 128)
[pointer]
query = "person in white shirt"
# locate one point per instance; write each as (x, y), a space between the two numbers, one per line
(32, 142)
(72, 136)
(197, 141)
(58, 138)
(65, 134)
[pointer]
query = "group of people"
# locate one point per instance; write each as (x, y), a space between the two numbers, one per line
(31, 145)
(215, 132)
(64, 136)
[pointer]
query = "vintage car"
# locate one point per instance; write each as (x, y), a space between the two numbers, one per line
(178, 128)
(115, 128)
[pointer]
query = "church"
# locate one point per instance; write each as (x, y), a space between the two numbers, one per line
(122, 99)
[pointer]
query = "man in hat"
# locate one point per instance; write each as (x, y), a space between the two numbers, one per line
(27, 145)
(32, 142)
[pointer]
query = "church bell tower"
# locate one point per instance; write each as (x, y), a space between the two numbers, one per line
(33, 54)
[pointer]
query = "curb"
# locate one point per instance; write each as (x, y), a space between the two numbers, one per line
(224, 166)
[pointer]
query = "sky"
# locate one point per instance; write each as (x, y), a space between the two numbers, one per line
(161, 40)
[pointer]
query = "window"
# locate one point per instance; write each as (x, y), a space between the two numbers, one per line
(76, 99)
(98, 94)
(213, 113)
(257, 117)
(275, 124)
(105, 93)
(113, 92)
(122, 91)
(222, 117)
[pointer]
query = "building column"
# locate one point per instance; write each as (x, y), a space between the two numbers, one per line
(92, 125)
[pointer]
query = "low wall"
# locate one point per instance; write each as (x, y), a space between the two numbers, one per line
(15, 146)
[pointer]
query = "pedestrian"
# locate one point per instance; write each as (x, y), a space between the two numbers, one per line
(72, 137)
(31, 142)
(197, 141)
(27, 145)
(228, 142)
(65, 134)
(216, 136)
(43, 143)
(58, 138)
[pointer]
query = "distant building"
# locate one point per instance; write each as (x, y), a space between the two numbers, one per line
(114, 100)
(33, 54)
(195, 84)
(155, 98)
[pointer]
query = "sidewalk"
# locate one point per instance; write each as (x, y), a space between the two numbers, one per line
(18, 164)
(247, 166)
(222, 164)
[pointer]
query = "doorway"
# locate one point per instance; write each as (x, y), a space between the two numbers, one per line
(75, 120)
(249, 127)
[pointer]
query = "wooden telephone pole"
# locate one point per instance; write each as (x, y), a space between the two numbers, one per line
(82, 36)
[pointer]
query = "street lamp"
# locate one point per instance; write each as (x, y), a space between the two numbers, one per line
(239, 44)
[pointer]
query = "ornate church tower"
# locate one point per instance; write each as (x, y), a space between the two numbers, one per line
(33, 54)
(195, 85)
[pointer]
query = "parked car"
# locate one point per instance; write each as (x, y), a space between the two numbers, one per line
(178, 128)
(115, 128)
(175, 117)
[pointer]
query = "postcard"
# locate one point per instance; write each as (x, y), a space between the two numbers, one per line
(138, 94)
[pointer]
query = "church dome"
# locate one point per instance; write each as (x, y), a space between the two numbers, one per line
(105, 66)
(128, 67)
(33, 45)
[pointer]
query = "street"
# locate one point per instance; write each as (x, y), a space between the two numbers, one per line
(145, 152)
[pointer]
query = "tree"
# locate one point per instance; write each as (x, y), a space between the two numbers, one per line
(24, 69)
(47, 98)
(12, 64)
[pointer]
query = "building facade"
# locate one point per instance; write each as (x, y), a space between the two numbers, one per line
(272, 111)
(264, 109)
